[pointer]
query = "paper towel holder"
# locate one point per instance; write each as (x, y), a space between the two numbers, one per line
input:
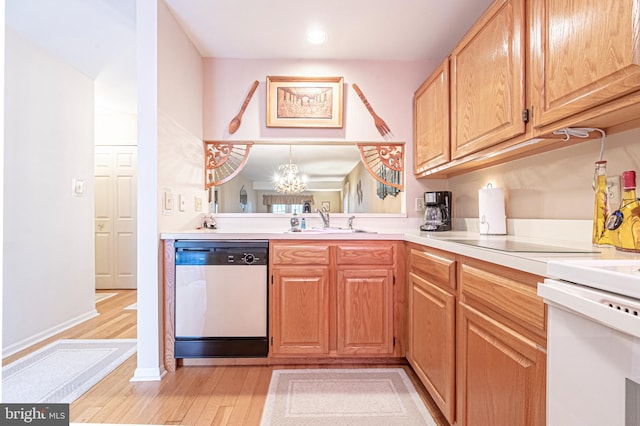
(492, 217)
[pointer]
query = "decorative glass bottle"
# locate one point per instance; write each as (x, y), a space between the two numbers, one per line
(601, 235)
(628, 234)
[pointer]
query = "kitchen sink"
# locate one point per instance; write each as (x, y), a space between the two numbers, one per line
(331, 230)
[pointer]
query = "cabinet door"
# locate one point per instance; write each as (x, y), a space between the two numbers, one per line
(487, 80)
(501, 374)
(300, 310)
(431, 141)
(364, 311)
(585, 53)
(432, 341)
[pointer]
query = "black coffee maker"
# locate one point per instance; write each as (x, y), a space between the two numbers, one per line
(437, 211)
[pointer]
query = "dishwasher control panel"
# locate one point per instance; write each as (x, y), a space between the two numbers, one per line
(222, 252)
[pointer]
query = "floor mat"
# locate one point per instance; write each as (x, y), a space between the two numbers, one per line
(64, 370)
(368, 397)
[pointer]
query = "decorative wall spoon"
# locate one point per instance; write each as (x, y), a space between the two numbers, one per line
(235, 123)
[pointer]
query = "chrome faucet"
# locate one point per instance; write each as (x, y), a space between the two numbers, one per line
(324, 214)
(351, 221)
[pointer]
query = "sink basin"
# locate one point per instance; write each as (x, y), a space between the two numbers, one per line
(331, 230)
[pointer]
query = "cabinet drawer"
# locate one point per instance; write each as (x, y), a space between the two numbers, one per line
(300, 254)
(365, 255)
(510, 293)
(437, 269)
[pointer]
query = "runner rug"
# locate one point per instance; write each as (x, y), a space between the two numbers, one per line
(64, 370)
(371, 397)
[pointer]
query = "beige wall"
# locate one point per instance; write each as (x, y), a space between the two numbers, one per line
(553, 185)
(369, 202)
(388, 85)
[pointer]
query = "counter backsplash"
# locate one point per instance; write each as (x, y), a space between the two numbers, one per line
(546, 229)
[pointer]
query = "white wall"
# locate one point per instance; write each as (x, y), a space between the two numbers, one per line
(48, 240)
(180, 145)
(115, 127)
(170, 154)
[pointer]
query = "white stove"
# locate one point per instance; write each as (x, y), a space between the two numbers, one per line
(620, 276)
(593, 342)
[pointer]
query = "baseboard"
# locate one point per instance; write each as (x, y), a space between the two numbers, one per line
(30, 341)
(148, 375)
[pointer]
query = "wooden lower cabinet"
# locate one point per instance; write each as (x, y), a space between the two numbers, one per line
(365, 312)
(333, 299)
(476, 338)
(501, 373)
(432, 308)
(300, 310)
(432, 341)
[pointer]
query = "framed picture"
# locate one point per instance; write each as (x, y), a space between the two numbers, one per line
(326, 206)
(304, 101)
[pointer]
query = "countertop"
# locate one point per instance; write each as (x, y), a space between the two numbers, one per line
(531, 262)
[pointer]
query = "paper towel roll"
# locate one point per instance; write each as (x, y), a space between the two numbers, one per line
(493, 220)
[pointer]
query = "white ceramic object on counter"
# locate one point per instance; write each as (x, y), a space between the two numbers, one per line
(493, 220)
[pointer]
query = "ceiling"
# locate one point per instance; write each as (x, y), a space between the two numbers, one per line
(406, 30)
(98, 37)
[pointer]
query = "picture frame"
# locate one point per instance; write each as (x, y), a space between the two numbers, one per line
(326, 205)
(315, 102)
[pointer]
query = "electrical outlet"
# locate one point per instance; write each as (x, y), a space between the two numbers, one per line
(419, 204)
(198, 204)
(613, 190)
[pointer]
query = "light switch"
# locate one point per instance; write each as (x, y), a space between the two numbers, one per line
(77, 187)
(168, 200)
(181, 202)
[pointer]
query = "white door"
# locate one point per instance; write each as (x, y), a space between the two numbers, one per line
(115, 216)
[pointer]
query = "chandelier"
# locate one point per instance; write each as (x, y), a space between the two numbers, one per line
(288, 180)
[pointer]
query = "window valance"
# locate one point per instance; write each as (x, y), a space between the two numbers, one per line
(270, 199)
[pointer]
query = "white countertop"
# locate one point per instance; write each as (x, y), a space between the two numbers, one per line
(535, 263)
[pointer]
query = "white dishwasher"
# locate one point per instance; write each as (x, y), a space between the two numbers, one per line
(221, 298)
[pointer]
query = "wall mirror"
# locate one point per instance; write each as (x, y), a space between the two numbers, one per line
(333, 172)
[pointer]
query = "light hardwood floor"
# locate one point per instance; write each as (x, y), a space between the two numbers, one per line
(193, 395)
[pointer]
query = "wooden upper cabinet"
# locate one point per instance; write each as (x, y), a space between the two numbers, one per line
(431, 140)
(584, 53)
(488, 80)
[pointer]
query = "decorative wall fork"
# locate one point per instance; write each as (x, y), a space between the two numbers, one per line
(382, 127)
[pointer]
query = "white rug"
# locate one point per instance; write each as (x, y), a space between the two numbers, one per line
(64, 370)
(370, 397)
(100, 297)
